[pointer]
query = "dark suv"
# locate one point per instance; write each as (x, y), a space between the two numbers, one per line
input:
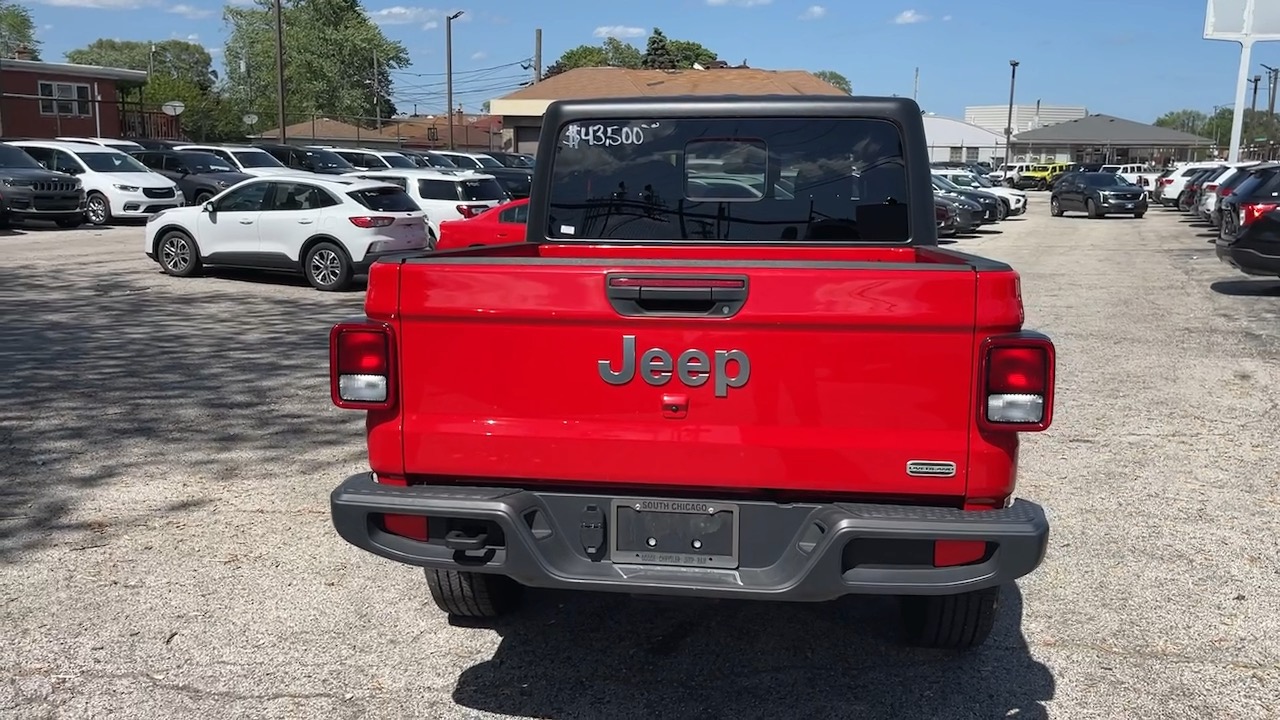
(316, 160)
(1249, 236)
(31, 192)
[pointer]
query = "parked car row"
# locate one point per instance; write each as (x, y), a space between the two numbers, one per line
(1241, 200)
(965, 199)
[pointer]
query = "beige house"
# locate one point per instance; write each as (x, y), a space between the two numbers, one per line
(521, 111)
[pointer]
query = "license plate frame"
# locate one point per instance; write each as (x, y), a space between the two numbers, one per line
(674, 523)
(1128, 206)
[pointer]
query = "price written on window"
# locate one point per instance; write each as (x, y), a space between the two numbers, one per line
(603, 135)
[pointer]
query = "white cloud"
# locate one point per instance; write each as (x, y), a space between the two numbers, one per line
(402, 15)
(193, 37)
(946, 18)
(739, 3)
(189, 12)
(213, 51)
(479, 55)
(98, 4)
(618, 31)
(814, 12)
(908, 17)
(430, 25)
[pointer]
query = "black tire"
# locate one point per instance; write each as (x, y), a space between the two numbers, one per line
(1002, 210)
(950, 622)
(201, 198)
(1139, 215)
(177, 254)
(1055, 208)
(474, 595)
(1042, 185)
(97, 209)
(327, 267)
(1092, 208)
(69, 223)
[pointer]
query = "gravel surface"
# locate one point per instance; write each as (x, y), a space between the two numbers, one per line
(169, 448)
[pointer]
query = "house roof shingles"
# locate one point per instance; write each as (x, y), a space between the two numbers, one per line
(410, 130)
(610, 82)
(1109, 130)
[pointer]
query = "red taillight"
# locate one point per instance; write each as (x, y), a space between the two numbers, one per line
(1210, 187)
(1253, 211)
(467, 211)
(1166, 181)
(371, 221)
(1017, 383)
(361, 372)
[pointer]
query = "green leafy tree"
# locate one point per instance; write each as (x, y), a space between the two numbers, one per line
(616, 53)
(17, 29)
(581, 56)
(621, 54)
(658, 54)
(688, 53)
(832, 77)
(337, 62)
(187, 61)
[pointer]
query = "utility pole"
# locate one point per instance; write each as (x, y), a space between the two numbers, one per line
(377, 101)
(280, 70)
(448, 68)
(1008, 127)
(1253, 107)
(915, 92)
(1272, 87)
(537, 55)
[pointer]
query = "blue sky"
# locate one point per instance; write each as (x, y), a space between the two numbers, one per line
(1131, 58)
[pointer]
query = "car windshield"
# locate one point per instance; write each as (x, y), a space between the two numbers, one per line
(482, 189)
(981, 181)
(1110, 169)
(1103, 179)
(12, 157)
(198, 162)
(111, 162)
(256, 159)
(385, 199)
(946, 182)
(398, 161)
(967, 181)
(729, 179)
(488, 162)
(440, 161)
(325, 160)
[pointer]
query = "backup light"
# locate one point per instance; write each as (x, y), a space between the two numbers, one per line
(360, 366)
(1017, 383)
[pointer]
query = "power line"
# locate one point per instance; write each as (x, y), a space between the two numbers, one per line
(525, 61)
(484, 90)
(430, 87)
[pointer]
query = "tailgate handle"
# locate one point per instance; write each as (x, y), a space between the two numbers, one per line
(676, 295)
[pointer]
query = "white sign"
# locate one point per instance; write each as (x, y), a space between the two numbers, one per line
(1240, 20)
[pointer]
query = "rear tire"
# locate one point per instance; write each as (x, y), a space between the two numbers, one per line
(1092, 208)
(950, 622)
(473, 595)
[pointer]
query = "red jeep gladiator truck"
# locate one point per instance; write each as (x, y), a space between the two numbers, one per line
(729, 361)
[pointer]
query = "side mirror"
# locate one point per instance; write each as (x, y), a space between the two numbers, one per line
(208, 207)
(183, 170)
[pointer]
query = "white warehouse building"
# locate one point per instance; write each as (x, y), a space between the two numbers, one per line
(952, 140)
(1025, 117)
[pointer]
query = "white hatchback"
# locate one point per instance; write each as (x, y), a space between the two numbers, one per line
(327, 228)
(444, 195)
(115, 184)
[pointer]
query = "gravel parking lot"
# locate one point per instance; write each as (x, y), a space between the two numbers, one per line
(169, 448)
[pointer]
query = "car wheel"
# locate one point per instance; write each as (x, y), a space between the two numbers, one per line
(201, 198)
(473, 595)
(952, 622)
(327, 267)
(71, 222)
(1042, 185)
(1092, 208)
(96, 209)
(1055, 208)
(1002, 210)
(1139, 215)
(177, 254)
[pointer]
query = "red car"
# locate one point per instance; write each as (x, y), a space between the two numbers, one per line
(496, 226)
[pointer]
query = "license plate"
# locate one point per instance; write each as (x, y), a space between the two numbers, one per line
(1128, 205)
(684, 533)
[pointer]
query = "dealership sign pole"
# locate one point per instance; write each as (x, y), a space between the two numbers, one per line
(1245, 22)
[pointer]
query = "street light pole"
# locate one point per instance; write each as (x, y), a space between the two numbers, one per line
(448, 68)
(1008, 126)
(280, 69)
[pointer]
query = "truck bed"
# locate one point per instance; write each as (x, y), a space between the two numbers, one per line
(860, 365)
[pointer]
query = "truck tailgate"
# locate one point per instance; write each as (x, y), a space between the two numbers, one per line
(852, 374)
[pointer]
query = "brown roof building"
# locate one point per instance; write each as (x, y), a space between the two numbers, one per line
(428, 133)
(521, 111)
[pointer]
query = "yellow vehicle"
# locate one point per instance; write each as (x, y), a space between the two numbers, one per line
(1041, 176)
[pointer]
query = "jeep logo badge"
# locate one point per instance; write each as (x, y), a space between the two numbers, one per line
(724, 368)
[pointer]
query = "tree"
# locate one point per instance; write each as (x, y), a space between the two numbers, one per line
(1217, 127)
(658, 54)
(832, 77)
(620, 54)
(688, 53)
(616, 53)
(186, 61)
(17, 29)
(338, 63)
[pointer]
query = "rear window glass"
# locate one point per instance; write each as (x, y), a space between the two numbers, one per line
(387, 199)
(1260, 184)
(730, 179)
(485, 189)
(399, 161)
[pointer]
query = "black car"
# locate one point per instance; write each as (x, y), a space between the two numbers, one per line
(316, 160)
(1098, 194)
(1190, 196)
(1249, 236)
(512, 160)
(32, 192)
(200, 175)
(992, 209)
(515, 180)
(1226, 187)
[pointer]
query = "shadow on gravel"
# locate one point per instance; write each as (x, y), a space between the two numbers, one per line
(1247, 288)
(606, 656)
(108, 380)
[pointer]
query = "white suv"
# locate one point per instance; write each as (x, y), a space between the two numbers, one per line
(444, 195)
(114, 144)
(248, 160)
(1171, 187)
(327, 228)
(373, 159)
(115, 184)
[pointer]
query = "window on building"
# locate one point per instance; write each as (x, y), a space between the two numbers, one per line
(971, 154)
(957, 154)
(65, 99)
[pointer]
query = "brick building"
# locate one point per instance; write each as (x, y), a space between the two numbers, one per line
(48, 99)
